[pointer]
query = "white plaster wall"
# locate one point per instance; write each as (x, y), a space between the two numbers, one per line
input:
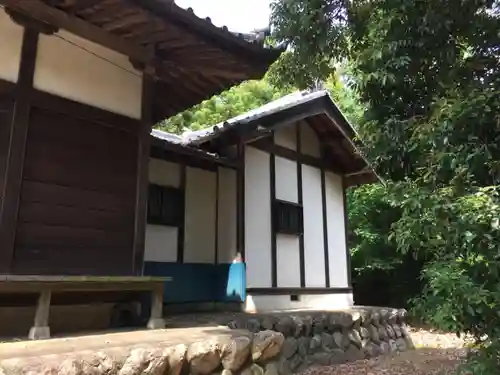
(200, 222)
(336, 231)
(286, 137)
(11, 40)
(161, 243)
(164, 173)
(288, 260)
(257, 218)
(309, 142)
(77, 69)
(263, 303)
(161, 240)
(314, 250)
(286, 179)
(227, 220)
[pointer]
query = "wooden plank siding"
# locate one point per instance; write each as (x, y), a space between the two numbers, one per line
(76, 213)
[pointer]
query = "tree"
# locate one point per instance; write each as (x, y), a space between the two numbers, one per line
(428, 74)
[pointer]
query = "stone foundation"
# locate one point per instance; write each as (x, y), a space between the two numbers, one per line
(270, 344)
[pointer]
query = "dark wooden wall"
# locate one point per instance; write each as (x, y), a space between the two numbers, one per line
(76, 211)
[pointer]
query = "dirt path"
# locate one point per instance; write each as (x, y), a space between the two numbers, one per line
(436, 354)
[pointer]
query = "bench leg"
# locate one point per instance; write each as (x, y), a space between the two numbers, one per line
(156, 320)
(40, 329)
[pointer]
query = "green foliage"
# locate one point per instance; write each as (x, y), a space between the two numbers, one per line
(427, 73)
(239, 99)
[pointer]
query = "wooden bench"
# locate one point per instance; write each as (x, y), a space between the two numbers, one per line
(46, 285)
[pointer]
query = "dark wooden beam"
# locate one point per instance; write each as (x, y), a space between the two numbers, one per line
(17, 150)
(31, 23)
(274, 235)
(302, 256)
(42, 12)
(142, 181)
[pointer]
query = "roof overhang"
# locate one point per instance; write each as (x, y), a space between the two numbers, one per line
(191, 58)
(341, 146)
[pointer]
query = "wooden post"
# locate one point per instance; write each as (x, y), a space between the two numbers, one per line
(156, 320)
(41, 329)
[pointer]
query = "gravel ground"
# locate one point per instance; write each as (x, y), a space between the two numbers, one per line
(435, 354)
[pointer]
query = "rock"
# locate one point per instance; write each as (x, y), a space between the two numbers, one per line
(341, 340)
(401, 345)
(337, 357)
(303, 346)
(295, 362)
(384, 316)
(390, 332)
(394, 347)
(363, 331)
(269, 322)
(226, 372)
(375, 318)
(266, 345)
(356, 319)
(176, 358)
(382, 333)
(307, 321)
(99, 363)
(253, 325)
(233, 324)
(393, 316)
(374, 333)
(334, 321)
(136, 362)
(327, 342)
(235, 353)
(322, 359)
(346, 320)
(409, 343)
(385, 347)
(289, 347)
(397, 330)
(404, 330)
(402, 316)
(284, 367)
(353, 353)
(298, 326)
(271, 368)
(285, 326)
(372, 350)
(355, 338)
(253, 369)
(203, 357)
(315, 344)
(320, 323)
(158, 363)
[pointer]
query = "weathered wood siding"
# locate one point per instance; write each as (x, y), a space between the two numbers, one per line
(76, 212)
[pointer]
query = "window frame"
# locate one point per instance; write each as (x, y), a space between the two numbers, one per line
(280, 208)
(170, 205)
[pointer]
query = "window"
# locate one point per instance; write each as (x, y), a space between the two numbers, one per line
(165, 205)
(288, 217)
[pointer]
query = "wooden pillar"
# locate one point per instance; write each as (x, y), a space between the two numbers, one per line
(156, 320)
(143, 152)
(41, 329)
(16, 150)
(240, 200)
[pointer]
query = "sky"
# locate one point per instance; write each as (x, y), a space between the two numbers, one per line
(238, 15)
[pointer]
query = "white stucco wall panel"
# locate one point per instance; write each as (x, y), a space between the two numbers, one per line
(257, 218)
(263, 303)
(164, 173)
(79, 70)
(286, 179)
(314, 249)
(11, 40)
(200, 220)
(227, 220)
(309, 142)
(336, 231)
(288, 260)
(161, 243)
(286, 137)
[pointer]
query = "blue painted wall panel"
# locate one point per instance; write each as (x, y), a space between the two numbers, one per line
(200, 282)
